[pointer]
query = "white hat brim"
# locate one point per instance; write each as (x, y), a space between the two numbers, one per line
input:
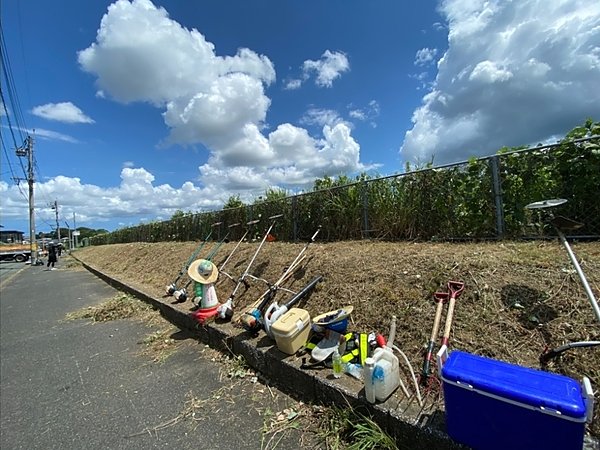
(334, 316)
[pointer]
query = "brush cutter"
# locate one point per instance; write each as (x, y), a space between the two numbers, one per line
(440, 298)
(252, 318)
(248, 227)
(171, 288)
(455, 288)
(274, 311)
(226, 309)
(562, 223)
(181, 294)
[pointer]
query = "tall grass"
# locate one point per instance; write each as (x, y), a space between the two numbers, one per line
(451, 202)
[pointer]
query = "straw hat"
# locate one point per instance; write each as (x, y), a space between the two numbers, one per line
(334, 316)
(203, 271)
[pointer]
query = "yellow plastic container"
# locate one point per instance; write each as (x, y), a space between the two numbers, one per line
(291, 330)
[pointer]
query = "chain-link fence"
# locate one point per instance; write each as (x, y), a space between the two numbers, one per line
(479, 199)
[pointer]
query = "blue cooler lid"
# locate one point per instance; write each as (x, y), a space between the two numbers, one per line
(515, 383)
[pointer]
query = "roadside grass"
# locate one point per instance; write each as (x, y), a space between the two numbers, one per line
(157, 345)
(346, 428)
(121, 306)
(277, 424)
(68, 262)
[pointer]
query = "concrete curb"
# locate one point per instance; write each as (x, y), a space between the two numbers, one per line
(396, 418)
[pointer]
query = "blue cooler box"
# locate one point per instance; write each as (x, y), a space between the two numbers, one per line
(491, 404)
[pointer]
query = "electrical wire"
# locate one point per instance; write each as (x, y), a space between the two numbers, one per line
(13, 176)
(17, 114)
(10, 87)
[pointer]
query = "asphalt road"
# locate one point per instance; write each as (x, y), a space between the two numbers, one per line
(72, 384)
(8, 269)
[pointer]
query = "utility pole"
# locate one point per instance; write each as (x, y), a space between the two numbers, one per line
(75, 233)
(55, 208)
(27, 150)
(69, 231)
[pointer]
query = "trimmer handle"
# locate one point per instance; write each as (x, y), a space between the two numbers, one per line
(299, 295)
(441, 297)
(314, 236)
(455, 288)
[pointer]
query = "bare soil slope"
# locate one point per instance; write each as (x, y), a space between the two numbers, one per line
(520, 297)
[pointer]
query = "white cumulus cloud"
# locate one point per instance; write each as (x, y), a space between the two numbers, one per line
(425, 56)
(514, 73)
(330, 66)
(65, 112)
(137, 195)
(142, 55)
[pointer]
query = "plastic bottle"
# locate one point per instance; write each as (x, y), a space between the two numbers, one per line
(354, 370)
(369, 384)
(338, 366)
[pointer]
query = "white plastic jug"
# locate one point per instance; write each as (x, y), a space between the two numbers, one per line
(386, 373)
(369, 381)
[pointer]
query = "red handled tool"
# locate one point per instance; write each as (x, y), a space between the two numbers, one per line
(455, 288)
(440, 298)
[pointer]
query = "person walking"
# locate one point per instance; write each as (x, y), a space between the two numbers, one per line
(52, 259)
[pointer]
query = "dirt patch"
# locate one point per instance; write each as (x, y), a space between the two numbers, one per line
(520, 297)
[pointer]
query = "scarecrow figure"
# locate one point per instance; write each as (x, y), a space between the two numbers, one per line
(204, 273)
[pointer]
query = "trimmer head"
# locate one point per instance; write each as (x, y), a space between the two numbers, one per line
(170, 289)
(180, 295)
(225, 310)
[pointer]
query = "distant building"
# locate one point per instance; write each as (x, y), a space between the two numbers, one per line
(11, 236)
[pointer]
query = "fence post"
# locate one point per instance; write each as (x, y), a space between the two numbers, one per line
(294, 218)
(494, 162)
(365, 194)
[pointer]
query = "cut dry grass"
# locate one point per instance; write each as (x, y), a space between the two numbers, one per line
(70, 263)
(520, 297)
(277, 425)
(159, 345)
(121, 306)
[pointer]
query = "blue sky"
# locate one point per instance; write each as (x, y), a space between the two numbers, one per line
(144, 108)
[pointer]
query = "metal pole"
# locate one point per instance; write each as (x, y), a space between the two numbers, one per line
(295, 218)
(55, 208)
(586, 286)
(497, 190)
(365, 193)
(75, 234)
(32, 240)
(69, 235)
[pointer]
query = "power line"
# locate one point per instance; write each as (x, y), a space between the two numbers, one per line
(10, 87)
(13, 175)
(14, 102)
